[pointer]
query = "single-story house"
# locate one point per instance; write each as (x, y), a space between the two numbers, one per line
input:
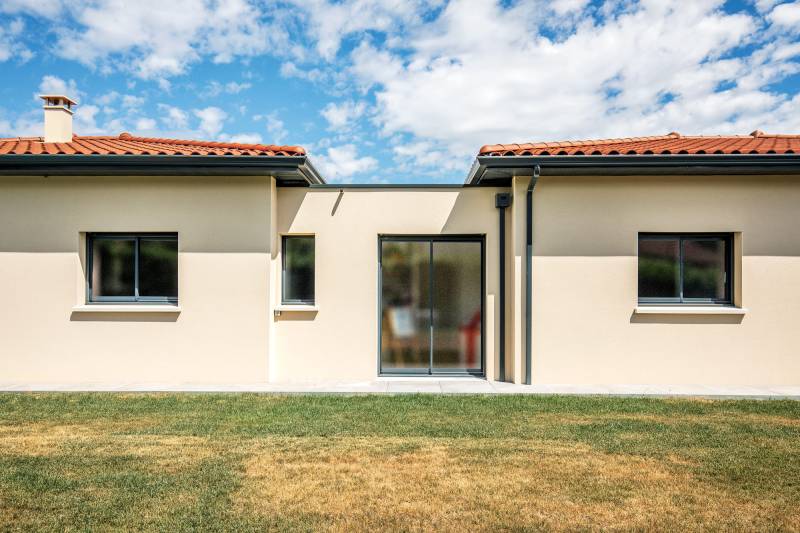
(649, 260)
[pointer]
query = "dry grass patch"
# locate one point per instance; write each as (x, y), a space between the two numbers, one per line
(453, 485)
(169, 453)
(39, 439)
(160, 453)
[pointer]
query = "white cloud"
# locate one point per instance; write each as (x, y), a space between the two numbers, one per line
(329, 22)
(11, 46)
(55, 85)
(171, 122)
(44, 8)
(342, 162)
(339, 116)
(216, 88)
(787, 15)
(28, 124)
(116, 112)
(107, 98)
(211, 120)
(426, 154)
(145, 125)
(155, 39)
(765, 5)
(290, 70)
(244, 138)
(131, 101)
(235, 88)
(275, 127)
(563, 7)
(86, 121)
(787, 51)
(173, 118)
(371, 66)
(128, 101)
(651, 68)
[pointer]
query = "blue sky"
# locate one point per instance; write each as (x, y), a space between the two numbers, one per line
(402, 91)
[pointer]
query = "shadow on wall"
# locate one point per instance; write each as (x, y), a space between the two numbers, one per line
(602, 216)
(463, 217)
(289, 206)
(211, 215)
(468, 210)
(700, 319)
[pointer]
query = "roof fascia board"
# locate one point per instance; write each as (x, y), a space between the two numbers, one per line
(505, 167)
(289, 167)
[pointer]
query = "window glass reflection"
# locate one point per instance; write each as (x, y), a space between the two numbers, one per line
(298, 275)
(704, 268)
(405, 300)
(113, 267)
(659, 268)
(456, 306)
(158, 267)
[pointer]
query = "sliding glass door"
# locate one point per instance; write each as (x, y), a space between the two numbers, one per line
(431, 305)
(406, 320)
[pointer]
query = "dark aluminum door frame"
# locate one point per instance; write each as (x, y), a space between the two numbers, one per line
(481, 239)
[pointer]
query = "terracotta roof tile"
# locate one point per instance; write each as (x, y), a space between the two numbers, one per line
(757, 142)
(127, 144)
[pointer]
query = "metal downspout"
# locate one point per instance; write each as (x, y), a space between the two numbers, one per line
(529, 273)
(501, 202)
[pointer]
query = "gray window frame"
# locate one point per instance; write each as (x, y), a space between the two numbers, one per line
(135, 299)
(726, 238)
(294, 301)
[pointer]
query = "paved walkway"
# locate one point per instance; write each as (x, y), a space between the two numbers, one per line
(423, 385)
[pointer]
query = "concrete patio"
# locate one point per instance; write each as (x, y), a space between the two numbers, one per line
(422, 385)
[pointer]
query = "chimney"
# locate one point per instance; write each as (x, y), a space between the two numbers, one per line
(57, 118)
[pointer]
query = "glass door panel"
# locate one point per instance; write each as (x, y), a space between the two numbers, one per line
(431, 305)
(457, 320)
(405, 306)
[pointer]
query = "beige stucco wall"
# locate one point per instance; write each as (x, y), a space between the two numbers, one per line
(340, 341)
(229, 277)
(585, 281)
(225, 242)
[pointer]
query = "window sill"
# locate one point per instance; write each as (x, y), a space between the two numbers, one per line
(689, 310)
(126, 308)
(308, 308)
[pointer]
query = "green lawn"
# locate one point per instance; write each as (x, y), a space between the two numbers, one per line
(175, 462)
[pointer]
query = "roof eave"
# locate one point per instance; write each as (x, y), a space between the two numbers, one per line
(289, 170)
(498, 170)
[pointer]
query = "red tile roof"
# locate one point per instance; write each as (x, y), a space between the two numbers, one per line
(757, 142)
(127, 144)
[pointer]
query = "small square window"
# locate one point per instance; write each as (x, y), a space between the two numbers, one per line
(132, 267)
(298, 269)
(685, 268)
